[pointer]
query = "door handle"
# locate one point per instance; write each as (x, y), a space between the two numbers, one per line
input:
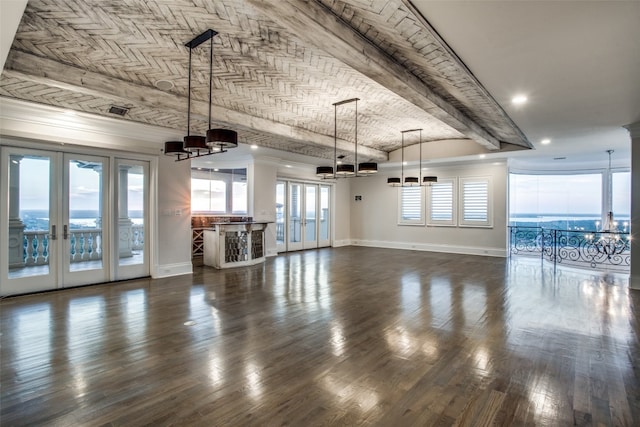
(53, 235)
(65, 232)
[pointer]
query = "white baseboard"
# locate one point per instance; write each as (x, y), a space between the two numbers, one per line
(429, 247)
(339, 243)
(272, 252)
(168, 270)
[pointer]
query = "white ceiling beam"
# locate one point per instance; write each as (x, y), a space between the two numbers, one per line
(312, 23)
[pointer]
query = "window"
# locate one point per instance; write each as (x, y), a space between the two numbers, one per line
(621, 199)
(411, 206)
(475, 202)
(442, 202)
(567, 201)
(220, 191)
(239, 197)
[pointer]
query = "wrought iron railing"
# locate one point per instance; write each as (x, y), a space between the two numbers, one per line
(85, 244)
(593, 249)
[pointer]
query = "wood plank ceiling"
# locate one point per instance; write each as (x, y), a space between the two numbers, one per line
(278, 67)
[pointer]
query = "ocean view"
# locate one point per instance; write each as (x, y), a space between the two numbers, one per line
(586, 222)
(39, 219)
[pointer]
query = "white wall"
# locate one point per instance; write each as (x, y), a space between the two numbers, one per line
(174, 218)
(342, 211)
(374, 220)
(264, 205)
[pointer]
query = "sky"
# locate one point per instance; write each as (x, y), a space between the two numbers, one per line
(566, 194)
(84, 186)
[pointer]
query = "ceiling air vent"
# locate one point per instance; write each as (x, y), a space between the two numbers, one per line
(120, 111)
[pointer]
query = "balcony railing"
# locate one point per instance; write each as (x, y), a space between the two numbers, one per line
(593, 249)
(85, 244)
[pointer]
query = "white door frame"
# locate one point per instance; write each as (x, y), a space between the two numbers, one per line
(304, 243)
(54, 280)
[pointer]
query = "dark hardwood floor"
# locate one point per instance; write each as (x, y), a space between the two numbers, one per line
(348, 336)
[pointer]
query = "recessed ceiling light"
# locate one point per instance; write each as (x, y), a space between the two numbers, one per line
(405, 163)
(254, 147)
(545, 141)
(216, 170)
(288, 166)
(164, 84)
(519, 99)
(424, 169)
(482, 156)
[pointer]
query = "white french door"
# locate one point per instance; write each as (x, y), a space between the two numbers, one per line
(305, 219)
(55, 224)
(56, 220)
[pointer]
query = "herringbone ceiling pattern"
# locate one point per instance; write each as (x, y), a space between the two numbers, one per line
(269, 82)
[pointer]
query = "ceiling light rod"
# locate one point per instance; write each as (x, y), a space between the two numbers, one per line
(344, 170)
(217, 140)
(412, 181)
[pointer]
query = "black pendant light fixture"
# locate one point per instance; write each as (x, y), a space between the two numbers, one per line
(217, 140)
(345, 170)
(412, 181)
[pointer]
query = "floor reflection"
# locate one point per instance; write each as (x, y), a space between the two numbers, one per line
(349, 336)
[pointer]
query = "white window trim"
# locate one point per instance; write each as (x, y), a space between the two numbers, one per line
(475, 224)
(419, 222)
(454, 209)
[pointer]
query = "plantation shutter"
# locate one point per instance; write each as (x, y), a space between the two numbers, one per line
(442, 202)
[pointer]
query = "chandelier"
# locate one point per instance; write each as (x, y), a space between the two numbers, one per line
(411, 181)
(346, 170)
(216, 140)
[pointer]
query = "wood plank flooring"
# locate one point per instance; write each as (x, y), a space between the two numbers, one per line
(347, 336)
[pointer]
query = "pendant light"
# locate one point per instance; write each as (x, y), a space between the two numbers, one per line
(175, 148)
(346, 170)
(411, 181)
(217, 140)
(609, 224)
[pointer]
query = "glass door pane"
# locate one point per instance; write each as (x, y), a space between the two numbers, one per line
(280, 215)
(85, 215)
(29, 215)
(294, 230)
(132, 196)
(83, 226)
(311, 205)
(323, 237)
